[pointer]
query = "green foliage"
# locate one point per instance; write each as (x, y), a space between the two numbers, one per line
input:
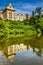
(37, 20)
(38, 11)
(14, 29)
(26, 16)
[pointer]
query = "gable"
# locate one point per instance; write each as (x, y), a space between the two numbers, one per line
(10, 7)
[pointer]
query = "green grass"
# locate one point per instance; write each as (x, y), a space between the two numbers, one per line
(15, 29)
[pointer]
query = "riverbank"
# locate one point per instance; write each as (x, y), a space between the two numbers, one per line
(10, 28)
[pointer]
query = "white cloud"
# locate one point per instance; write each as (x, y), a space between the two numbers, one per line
(22, 11)
(24, 7)
(29, 6)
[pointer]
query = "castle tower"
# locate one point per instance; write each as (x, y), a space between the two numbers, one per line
(8, 12)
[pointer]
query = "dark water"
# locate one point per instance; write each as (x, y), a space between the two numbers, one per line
(29, 52)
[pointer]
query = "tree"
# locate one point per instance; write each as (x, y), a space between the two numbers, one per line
(38, 11)
(26, 16)
(33, 13)
(32, 18)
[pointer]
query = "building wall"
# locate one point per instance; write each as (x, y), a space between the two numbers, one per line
(19, 16)
(13, 49)
(1, 14)
(9, 13)
(5, 15)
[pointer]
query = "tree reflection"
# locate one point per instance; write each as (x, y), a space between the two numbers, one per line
(35, 43)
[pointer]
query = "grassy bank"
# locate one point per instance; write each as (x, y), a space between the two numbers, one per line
(15, 29)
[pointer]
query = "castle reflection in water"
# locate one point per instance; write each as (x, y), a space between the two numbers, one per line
(12, 50)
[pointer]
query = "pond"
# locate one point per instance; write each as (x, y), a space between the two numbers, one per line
(27, 52)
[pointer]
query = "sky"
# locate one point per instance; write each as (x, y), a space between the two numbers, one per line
(22, 6)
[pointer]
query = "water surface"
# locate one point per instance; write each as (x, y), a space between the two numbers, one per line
(28, 52)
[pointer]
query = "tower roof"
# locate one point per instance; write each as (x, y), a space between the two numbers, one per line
(10, 6)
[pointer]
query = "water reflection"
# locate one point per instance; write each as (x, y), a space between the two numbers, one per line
(3, 59)
(28, 58)
(29, 52)
(12, 50)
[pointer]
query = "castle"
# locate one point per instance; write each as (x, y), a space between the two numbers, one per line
(9, 13)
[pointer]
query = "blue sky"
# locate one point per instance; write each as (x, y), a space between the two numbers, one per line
(22, 6)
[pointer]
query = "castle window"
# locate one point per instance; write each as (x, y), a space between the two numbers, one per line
(10, 15)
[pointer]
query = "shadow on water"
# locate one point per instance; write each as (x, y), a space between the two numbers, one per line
(22, 51)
